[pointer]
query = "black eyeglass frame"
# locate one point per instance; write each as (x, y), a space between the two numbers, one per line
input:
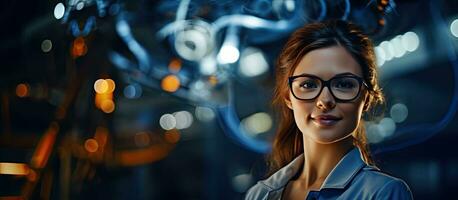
(328, 85)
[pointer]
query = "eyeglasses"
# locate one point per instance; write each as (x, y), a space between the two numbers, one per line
(343, 88)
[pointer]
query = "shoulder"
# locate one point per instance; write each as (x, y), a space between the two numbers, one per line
(382, 185)
(258, 191)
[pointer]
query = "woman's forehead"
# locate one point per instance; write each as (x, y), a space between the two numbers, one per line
(328, 62)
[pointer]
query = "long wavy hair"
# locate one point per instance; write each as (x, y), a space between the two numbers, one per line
(288, 142)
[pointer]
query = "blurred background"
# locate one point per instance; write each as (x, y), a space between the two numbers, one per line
(145, 99)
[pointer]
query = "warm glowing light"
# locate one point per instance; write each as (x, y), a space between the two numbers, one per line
(172, 136)
(22, 90)
(91, 145)
(170, 83)
(175, 65)
(101, 86)
(32, 176)
(100, 98)
(142, 139)
(19, 169)
(79, 47)
(257, 123)
(44, 147)
(141, 156)
(111, 85)
(101, 135)
(213, 80)
(107, 106)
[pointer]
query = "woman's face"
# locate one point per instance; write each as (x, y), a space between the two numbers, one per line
(324, 120)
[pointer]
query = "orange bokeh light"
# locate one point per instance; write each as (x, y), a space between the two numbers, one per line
(45, 146)
(19, 169)
(79, 47)
(170, 83)
(172, 136)
(111, 85)
(32, 176)
(142, 139)
(91, 145)
(107, 106)
(175, 65)
(213, 80)
(22, 90)
(101, 86)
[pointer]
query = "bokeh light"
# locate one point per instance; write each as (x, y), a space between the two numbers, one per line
(175, 65)
(80, 5)
(59, 10)
(454, 28)
(46, 46)
(133, 91)
(228, 54)
(257, 123)
(252, 62)
(101, 86)
(111, 85)
(18, 169)
(170, 83)
(107, 106)
(399, 49)
(79, 47)
(388, 49)
(387, 127)
(91, 145)
(183, 119)
(399, 112)
(204, 114)
(142, 139)
(410, 41)
(22, 90)
(172, 136)
(167, 122)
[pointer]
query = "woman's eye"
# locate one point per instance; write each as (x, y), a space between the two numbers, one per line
(345, 84)
(309, 85)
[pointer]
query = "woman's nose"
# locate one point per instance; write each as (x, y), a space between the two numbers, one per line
(325, 100)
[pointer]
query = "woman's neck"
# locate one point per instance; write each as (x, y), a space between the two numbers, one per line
(320, 159)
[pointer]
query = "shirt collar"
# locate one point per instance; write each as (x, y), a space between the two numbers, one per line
(338, 178)
(345, 170)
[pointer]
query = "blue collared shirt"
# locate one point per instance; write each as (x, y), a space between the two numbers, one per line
(351, 178)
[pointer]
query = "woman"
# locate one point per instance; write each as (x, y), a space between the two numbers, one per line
(326, 78)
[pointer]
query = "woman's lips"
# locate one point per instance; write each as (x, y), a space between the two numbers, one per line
(325, 121)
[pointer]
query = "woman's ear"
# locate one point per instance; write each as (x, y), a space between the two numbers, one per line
(288, 103)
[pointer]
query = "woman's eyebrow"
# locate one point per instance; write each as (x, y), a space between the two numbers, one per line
(337, 75)
(345, 74)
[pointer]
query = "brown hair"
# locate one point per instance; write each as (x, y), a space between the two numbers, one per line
(287, 143)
